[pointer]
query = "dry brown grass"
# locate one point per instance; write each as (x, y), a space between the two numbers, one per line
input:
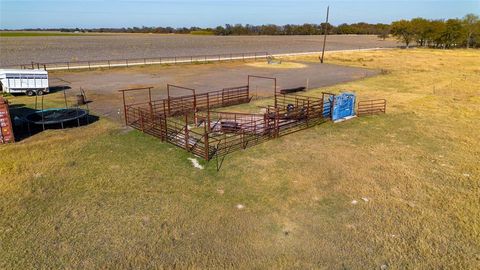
(100, 197)
(283, 65)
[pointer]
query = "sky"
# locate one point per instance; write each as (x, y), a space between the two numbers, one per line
(18, 14)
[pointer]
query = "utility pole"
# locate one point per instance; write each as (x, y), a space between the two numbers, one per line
(325, 35)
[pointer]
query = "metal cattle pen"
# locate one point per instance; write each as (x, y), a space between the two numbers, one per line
(195, 123)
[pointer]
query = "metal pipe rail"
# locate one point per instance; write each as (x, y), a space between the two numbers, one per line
(370, 107)
(129, 62)
(179, 120)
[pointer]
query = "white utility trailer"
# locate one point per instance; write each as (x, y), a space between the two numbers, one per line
(28, 81)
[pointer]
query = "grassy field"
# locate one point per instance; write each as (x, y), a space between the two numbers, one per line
(202, 33)
(285, 65)
(103, 196)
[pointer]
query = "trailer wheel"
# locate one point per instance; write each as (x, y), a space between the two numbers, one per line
(30, 93)
(40, 93)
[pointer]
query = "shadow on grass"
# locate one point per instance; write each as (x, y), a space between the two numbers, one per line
(58, 88)
(23, 129)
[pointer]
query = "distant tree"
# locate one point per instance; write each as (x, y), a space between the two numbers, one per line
(470, 24)
(219, 31)
(403, 31)
(421, 30)
(476, 38)
(307, 29)
(453, 33)
(289, 29)
(435, 33)
(383, 30)
(269, 29)
(322, 28)
(344, 29)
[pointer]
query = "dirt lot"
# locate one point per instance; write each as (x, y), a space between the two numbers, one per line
(102, 85)
(23, 50)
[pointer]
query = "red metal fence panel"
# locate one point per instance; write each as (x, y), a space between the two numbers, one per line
(369, 107)
(6, 129)
(190, 121)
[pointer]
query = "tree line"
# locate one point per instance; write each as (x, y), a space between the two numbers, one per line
(464, 32)
(304, 29)
(248, 29)
(449, 33)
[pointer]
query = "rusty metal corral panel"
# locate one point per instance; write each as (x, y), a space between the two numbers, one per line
(370, 107)
(190, 121)
(172, 119)
(6, 129)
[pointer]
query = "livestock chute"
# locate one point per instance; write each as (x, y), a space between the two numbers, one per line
(343, 106)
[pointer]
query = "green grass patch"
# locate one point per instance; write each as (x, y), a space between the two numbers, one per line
(202, 33)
